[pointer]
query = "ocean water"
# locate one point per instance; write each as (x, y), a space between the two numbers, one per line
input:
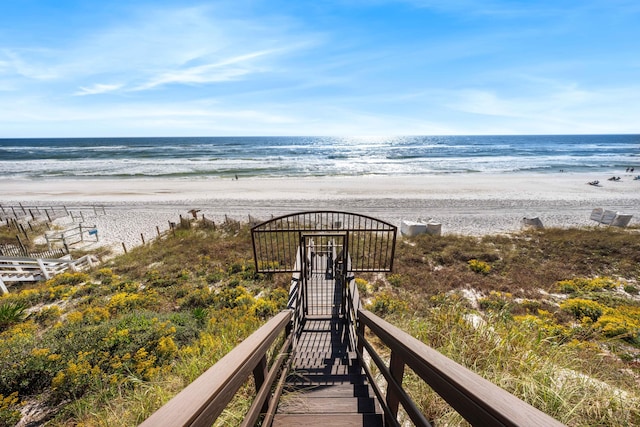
(314, 156)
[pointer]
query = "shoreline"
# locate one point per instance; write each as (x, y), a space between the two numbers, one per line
(477, 204)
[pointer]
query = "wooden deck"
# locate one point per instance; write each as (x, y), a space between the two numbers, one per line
(326, 385)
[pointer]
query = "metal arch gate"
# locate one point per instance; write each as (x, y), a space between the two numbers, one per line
(370, 242)
(320, 249)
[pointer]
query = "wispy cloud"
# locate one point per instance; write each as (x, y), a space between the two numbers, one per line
(17, 62)
(97, 89)
(225, 70)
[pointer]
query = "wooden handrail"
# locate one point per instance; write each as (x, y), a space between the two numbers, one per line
(202, 401)
(479, 401)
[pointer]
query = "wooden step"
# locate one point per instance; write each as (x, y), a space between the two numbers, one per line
(323, 379)
(332, 370)
(305, 403)
(328, 420)
(336, 390)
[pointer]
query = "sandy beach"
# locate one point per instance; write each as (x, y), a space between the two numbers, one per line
(469, 204)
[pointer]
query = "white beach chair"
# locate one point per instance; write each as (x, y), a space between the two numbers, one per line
(596, 215)
(621, 220)
(608, 217)
(434, 228)
(413, 228)
(532, 222)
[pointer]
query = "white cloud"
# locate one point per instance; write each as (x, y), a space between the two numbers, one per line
(97, 89)
(18, 62)
(224, 70)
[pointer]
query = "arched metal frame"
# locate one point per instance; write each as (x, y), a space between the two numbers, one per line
(277, 243)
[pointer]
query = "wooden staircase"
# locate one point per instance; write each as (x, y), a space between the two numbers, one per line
(326, 385)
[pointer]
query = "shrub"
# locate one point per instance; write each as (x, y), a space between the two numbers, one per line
(48, 315)
(581, 308)
(496, 301)
(630, 289)
(618, 325)
(362, 285)
(9, 409)
(78, 375)
(123, 301)
(11, 313)
(479, 266)
(385, 304)
(105, 275)
(280, 297)
(233, 297)
(395, 280)
(200, 314)
(264, 308)
(530, 306)
(68, 279)
(198, 298)
(585, 285)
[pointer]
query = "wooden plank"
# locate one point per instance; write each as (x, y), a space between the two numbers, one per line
(328, 420)
(336, 390)
(306, 404)
(323, 379)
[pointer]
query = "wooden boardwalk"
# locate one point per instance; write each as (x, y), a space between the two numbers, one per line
(326, 385)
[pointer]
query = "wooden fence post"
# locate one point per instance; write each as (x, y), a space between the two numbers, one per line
(124, 247)
(142, 237)
(24, 250)
(24, 232)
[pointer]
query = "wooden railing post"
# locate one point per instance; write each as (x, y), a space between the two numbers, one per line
(396, 369)
(360, 334)
(259, 374)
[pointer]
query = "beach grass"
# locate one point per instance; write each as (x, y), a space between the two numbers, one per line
(551, 315)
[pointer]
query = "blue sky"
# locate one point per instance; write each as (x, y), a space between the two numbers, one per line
(342, 67)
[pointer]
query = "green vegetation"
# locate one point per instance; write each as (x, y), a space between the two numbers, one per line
(110, 347)
(552, 316)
